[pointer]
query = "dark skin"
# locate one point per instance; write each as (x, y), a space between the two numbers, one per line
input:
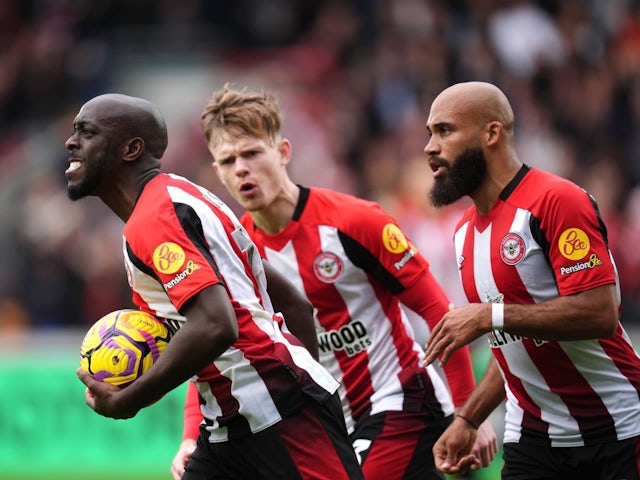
(115, 148)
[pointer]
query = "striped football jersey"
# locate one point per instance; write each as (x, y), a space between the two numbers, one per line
(351, 259)
(544, 238)
(196, 241)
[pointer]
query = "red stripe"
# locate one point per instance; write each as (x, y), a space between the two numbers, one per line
(393, 448)
(403, 343)
(562, 377)
(333, 313)
(307, 442)
(220, 387)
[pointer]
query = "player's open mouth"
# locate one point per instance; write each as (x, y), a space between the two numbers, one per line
(73, 166)
(436, 167)
(247, 188)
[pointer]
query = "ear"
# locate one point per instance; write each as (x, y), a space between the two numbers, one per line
(493, 133)
(133, 148)
(285, 150)
(216, 169)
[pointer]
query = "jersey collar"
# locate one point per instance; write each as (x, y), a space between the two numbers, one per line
(515, 181)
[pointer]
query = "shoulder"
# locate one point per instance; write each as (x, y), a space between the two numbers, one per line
(361, 221)
(552, 184)
(343, 210)
(246, 221)
(543, 189)
(466, 216)
(167, 185)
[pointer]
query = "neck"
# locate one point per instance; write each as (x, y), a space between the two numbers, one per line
(497, 178)
(122, 198)
(275, 216)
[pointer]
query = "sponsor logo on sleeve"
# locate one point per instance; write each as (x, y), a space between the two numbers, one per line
(395, 242)
(574, 244)
(393, 239)
(593, 262)
(188, 270)
(328, 267)
(512, 248)
(168, 257)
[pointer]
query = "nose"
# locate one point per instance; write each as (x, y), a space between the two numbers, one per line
(241, 167)
(71, 142)
(432, 147)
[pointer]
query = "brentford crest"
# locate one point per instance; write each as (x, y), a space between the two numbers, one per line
(512, 248)
(327, 267)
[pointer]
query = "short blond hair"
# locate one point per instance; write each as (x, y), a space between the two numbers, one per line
(241, 112)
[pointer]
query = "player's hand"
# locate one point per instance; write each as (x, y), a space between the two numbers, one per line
(102, 397)
(485, 447)
(182, 457)
(457, 328)
(452, 452)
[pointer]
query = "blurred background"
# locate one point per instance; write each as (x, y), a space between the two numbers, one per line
(355, 79)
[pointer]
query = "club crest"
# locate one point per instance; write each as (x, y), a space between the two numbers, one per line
(328, 267)
(512, 248)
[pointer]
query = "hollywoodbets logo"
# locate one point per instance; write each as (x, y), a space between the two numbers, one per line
(352, 338)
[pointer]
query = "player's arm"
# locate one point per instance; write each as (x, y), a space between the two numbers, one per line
(382, 249)
(210, 329)
(298, 314)
(585, 315)
(453, 451)
(427, 298)
(294, 306)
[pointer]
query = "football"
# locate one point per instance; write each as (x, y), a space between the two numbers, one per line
(122, 345)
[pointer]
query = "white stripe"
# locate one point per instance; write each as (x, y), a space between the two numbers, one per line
(248, 388)
(534, 271)
(242, 289)
(240, 286)
(483, 273)
(361, 301)
(458, 241)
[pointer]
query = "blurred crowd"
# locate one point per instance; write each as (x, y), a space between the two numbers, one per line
(355, 80)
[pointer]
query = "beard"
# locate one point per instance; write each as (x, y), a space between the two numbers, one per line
(463, 177)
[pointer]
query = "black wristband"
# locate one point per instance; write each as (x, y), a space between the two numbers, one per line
(467, 420)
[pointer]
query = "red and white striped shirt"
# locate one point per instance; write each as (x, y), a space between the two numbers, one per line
(180, 239)
(543, 238)
(351, 260)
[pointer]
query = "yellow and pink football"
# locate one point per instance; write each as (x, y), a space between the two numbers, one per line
(123, 345)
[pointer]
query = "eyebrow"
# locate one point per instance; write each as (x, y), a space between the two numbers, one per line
(440, 125)
(84, 123)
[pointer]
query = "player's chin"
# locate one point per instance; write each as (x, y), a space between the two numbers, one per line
(252, 204)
